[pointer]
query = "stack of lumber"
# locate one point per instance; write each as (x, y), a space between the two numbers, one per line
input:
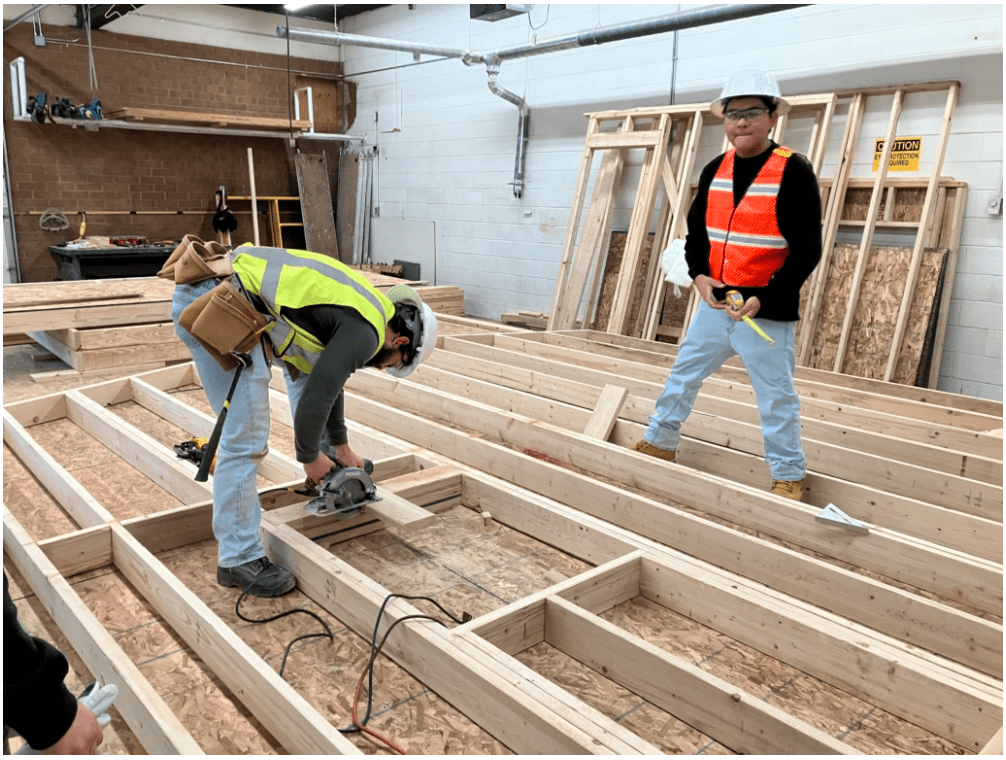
(618, 286)
(98, 325)
(179, 116)
(619, 604)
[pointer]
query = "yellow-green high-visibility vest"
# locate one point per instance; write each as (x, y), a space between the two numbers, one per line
(289, 279)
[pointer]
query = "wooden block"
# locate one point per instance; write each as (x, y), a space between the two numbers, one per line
(605, 415)
(487, 519)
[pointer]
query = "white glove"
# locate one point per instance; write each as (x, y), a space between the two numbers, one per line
(95, 698)
(675, 267)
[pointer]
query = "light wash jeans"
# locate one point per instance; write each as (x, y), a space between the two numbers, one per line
(244, 441)
(712, 339)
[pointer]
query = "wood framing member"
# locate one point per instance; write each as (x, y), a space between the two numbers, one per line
(967, 639)
(985, 469)
(624, 346)
(719, 710)
(810, 391)
(947, 573)
(85, 303)
(714, 414)
(144, 711)
(958, 530)
(701, 700)
(286, 714)
(767, 596)
(832, 648)
(83, 508)
(488, 695)
(123, 355)
(983, 496)
(928, 206)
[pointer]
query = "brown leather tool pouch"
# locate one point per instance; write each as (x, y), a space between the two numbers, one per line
(224, 322)
(194, 261)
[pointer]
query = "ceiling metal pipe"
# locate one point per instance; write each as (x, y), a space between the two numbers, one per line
(30, 12)
(658, 25)
(359, 40)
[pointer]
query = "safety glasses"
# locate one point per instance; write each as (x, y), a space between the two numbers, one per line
(748, 113)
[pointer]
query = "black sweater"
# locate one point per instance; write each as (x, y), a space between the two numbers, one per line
(36, 703)
(798, 210)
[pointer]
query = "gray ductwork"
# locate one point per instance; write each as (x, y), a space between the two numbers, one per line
(714, 14)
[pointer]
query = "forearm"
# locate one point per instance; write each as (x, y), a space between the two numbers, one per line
(37, 704)
(320, 407)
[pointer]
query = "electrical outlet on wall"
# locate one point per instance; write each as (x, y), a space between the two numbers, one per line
(995, 204)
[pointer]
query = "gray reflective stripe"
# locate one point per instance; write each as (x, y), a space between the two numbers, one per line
(277, 258)
(763, 190)
(722, 184)
(760, 241)
(717, 236)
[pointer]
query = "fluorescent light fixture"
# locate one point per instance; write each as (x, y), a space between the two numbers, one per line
(297, 6)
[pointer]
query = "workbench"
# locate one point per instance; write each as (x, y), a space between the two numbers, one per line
(94, 263)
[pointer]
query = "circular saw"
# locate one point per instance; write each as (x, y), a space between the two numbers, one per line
(343, 492)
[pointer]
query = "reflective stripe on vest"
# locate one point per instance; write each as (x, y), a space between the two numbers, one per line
(290, 279)
(745, 245)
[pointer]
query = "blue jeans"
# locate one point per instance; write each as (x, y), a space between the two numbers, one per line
(712, 339)
(244, 441)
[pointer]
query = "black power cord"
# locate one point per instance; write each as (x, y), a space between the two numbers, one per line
(375, 648)
(327, 634)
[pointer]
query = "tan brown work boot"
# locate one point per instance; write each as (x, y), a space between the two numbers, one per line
(791, 489)
(655, 451)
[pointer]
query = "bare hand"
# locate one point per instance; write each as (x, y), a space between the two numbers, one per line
(705, 284)
(82, 738)
(749, 309)
(319, 468)
(346, 456)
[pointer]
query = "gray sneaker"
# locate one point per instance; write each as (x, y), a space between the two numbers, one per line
(260, 577)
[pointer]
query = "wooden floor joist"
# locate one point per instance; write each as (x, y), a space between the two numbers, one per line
(902, 624)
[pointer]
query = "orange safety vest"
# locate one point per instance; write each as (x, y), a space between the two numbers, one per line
(745, 245)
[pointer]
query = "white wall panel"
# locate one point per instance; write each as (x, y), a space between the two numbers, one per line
(453, 160)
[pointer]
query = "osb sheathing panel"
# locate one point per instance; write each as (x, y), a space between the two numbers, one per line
(876, 314)
(468, 566)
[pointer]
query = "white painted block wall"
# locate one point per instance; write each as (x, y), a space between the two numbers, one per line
(449, 155)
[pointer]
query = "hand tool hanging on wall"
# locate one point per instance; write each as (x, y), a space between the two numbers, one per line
(224, 222)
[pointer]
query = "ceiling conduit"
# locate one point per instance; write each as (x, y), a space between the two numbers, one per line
(676, 21)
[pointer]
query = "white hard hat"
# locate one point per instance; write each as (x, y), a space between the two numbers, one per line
(426, 329)
(750, 83)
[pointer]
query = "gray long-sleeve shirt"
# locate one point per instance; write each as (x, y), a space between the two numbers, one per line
(350, 341)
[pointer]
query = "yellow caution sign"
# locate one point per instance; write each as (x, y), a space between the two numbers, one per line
(905, 154)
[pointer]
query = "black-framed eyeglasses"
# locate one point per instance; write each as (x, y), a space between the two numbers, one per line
(748, 113)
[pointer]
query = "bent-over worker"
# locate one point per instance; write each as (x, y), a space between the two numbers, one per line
(325, 321)
(754, 227)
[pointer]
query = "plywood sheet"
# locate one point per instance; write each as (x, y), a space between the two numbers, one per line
(313, 183)
(876, 312)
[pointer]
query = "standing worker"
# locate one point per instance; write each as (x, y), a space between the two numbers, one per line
(325, 321)
(754, 227)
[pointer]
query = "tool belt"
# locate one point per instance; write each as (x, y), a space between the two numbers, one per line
(224, 322)
(194, 261)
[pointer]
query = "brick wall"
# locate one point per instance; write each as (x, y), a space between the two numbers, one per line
(121, 170)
